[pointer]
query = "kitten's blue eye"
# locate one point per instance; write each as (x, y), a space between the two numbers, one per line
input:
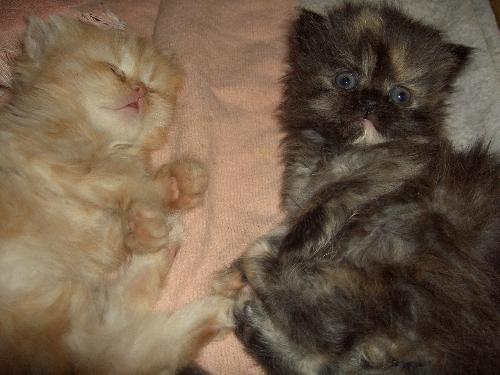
(399, 95)
(346, 80)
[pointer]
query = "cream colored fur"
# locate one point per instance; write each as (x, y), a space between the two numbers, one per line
(87, 229)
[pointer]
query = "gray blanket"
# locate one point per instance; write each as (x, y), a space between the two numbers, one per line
(475, 107)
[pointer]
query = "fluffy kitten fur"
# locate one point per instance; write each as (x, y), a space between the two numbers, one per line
(87, 230)
(388, 260)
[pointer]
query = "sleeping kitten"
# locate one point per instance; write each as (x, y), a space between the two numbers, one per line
(87, 230)
(388, 260)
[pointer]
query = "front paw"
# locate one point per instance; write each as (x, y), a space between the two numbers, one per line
(229, 281)
(220, 315)
(204, 320)
(248, 314)
(184, 182)
(150, 230)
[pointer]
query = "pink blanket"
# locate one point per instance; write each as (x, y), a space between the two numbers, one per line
(232, 53)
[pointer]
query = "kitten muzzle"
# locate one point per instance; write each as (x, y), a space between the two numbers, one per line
(370, 134)
(136, 103)
(136, 100)
(371, 120)
(369, 106)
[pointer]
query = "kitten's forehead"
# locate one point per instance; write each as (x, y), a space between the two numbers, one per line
(136, 61)
(389, 61)
(385, 46)
(128, 61)
(400, 60)
(366, 20)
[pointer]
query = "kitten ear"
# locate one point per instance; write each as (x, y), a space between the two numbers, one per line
(308, 32)
(461, 56)
(40, 35)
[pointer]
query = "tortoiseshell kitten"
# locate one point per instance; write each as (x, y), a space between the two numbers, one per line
(387, 262)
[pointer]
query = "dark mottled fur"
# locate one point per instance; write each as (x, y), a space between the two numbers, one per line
(388, 261)
(193, 369)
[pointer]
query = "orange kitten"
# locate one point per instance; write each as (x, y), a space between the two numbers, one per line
(78, 203)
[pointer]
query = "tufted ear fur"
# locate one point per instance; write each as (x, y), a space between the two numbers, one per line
(460, 58)
(308, 33)
(40, 35)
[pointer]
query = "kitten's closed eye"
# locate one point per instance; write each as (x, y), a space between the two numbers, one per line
(117, 71)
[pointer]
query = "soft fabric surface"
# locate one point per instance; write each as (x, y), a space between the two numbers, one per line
(232, 52)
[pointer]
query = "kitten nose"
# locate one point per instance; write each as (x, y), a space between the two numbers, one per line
(369, 106)
(140, 89)
(370, 103)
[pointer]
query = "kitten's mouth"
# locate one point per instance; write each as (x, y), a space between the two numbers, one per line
(368, 125)
(371, 121)
(370, 134)
(135, 104)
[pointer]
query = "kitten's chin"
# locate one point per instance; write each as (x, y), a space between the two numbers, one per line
(131, 112)
(370, 134)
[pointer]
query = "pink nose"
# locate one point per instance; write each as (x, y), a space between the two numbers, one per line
(140, 89)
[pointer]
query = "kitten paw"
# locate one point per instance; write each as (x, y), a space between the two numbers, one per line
(202, 321)
(186, 182)
(151, 230)
(229, 282)
(220, 315)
